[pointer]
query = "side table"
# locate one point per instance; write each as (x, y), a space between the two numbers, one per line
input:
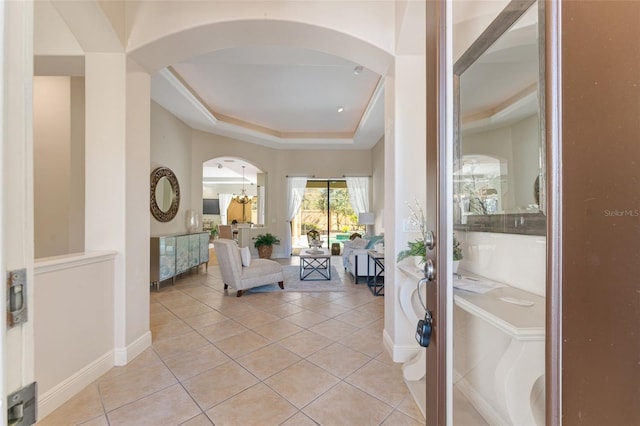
(375, 279)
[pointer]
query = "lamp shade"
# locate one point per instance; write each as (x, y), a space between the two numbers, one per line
(365, 218)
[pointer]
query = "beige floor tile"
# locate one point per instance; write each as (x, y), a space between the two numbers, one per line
(147, 359)
(191, 309)
(204, 319)
(464, 413)
(83, 407)
(241, 344)
(375, 309)
(286, 309)
(307, 319)
(171, 298)
(278, 330)
(161, 317)
(213, 299)
(299, 419)
(222, 330)
(194, 362)
(97, 421)
(339, 360)
(169, 348)
(258, 406)
(169, 330)
(236, 309)
(379, 380)
(305, 343)
(301, 383)
(170, 406)
(267, 361)
(328, 309)
(333, 329)
(400, 419)
(409, 407)
(366, 341)
(256, 319)
(198, 291)
(218, 384)
(124, 388)
(357, 318)
(200, 420)
(347, 405)
(156, 307)
(354, 300)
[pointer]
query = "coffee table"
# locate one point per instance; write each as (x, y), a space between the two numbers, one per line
(315, 264)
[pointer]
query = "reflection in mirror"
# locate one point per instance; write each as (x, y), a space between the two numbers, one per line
(499, 149)
(165, 194)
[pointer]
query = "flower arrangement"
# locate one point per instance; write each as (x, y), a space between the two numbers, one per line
(418, 246)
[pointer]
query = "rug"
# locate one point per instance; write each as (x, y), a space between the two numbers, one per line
(292, 282)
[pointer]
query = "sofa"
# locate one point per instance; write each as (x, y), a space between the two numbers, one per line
(354, 256)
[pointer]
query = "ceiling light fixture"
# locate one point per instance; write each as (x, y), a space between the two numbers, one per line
(243, 198)
(358, 69)
(340, 109)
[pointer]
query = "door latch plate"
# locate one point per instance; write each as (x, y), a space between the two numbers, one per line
(21, 406)
(16, 297)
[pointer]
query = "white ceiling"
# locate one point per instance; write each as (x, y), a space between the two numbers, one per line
(278, 96)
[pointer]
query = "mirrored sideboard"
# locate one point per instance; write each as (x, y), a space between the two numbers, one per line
(174, 254)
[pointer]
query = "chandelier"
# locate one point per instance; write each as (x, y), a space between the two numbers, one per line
(242, 198)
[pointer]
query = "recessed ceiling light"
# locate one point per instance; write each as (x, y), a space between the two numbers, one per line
(340, 109)
(358, 69)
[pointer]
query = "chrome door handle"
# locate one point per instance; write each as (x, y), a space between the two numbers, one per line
(429, 270)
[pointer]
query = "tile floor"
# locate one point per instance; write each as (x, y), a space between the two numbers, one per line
(263, 359)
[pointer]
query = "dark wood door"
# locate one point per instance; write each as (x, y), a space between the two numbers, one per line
(436, 212)
(594, 340)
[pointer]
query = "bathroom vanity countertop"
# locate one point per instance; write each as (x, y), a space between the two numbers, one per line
(524, 321)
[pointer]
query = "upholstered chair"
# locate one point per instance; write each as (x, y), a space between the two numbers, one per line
(243, 274)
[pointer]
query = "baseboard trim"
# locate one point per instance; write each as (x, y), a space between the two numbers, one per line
(398, 353)
(65, 390)
(122, 356)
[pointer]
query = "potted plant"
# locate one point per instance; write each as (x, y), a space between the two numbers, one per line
(214, 234)
(457, 254)
(416, 248)
(264, 243)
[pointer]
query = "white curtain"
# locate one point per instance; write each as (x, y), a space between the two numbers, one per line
(261, 194)
(358, 193)
(225, 200)
(295, 192)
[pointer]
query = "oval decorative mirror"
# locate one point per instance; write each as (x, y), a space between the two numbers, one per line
(165, 194)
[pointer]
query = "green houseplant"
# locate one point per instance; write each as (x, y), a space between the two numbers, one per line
(264, 243)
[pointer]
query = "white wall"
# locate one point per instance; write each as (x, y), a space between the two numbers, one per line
(171, 147)
(58, 131)
(377, 186)
(52, 164)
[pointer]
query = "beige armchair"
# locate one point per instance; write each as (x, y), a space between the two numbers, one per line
(259, 272)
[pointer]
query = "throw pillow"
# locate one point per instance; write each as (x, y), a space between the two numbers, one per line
(245, 255)
(358, 243)
(373, 240)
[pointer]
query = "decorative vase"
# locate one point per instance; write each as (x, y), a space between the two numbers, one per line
(454, 269)
(193, 221)
(264, 252)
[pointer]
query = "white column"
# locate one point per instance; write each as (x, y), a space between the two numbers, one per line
(117, 185)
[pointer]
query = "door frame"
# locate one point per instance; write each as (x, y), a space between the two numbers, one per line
(439, 164)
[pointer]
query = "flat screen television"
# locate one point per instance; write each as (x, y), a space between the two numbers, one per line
(210, 206)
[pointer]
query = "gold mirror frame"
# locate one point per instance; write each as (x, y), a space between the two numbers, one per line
(156, 175)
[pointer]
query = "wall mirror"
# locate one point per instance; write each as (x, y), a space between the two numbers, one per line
(165, 194)
(499, 126)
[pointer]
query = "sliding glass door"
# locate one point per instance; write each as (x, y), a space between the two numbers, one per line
(326, 208)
